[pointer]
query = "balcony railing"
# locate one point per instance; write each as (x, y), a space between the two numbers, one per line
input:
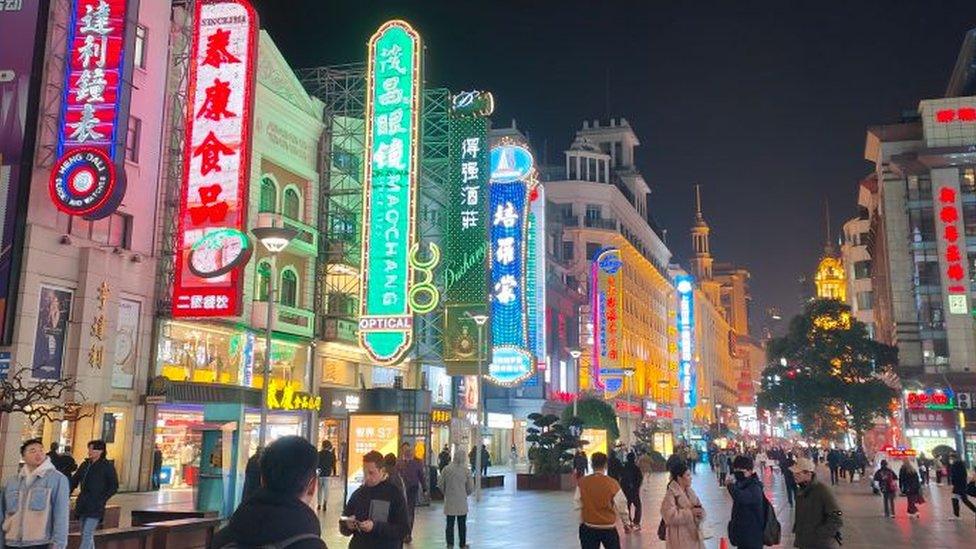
(305, 243)
(290, 320)
(600, 223)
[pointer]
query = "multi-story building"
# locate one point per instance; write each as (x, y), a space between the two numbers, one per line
(923, 271)
(603, 200)
(86, 294)
(856, 255)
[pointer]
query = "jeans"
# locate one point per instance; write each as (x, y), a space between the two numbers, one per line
(88, 526)
(462, 527)
(323, 492)
(633, 499)
(889, 503)
(592, 538)
(833, 476)
(411, 507)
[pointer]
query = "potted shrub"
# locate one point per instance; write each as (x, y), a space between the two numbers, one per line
(551, 454)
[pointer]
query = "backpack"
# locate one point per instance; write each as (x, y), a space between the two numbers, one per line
(283, 544)
(772, 530)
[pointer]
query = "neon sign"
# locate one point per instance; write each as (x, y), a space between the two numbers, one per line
(953, 252)
(219, 252)
(931, 399)
(508, 195)
(87, 179)
(390, 191)
(216, 153)
(962, 114)
(687, 375)
(535, 295)
(607, 309)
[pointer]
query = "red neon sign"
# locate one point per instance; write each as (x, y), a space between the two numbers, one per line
(627, 407)
(216, 153)
(948, 213)
(962, 114)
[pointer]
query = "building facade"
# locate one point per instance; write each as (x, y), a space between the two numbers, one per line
(856, 255)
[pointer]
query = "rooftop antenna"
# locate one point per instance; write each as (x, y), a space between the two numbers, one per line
(698, 210)
(828, 245)
(606, 91)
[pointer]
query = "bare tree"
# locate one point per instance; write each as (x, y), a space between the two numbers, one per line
(54, 400)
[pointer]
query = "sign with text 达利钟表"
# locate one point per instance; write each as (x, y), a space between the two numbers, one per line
(952, 246)
(687, 375)
(88, 178)
(216, 161)
(393, 94)
(512, 172)
(607, 309)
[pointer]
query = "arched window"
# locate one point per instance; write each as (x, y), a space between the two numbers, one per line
(262, 281)
(292, 204)
(269, 194)
(289, 287)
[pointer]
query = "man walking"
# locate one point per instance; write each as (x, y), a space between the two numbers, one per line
(326, 463)
(411, 471)
(376, 513)
(888, 484)
(833, 461)
(818, 517)
(785, 464)
(34, 502)
(600, 502)
(630, 482)
(958, 478)
(748, 513)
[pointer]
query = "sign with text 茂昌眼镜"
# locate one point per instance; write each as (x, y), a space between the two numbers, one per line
(393, 95)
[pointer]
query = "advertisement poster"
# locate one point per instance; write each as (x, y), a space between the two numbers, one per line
(368, 432)
(467, 393)
(126, 341)
(439, 384)
(52, 330)
(23, 25)
(597, 439)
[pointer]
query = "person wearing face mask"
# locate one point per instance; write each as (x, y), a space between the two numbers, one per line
(748, 513)
(376, 513)
(818, 519)
(281, 512)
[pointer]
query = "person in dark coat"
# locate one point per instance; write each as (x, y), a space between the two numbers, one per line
(444, 458)
(99, 482)
(252, 475)
(280, 512)
(785, 466)
(911, 487)
(326, 458)
(630, 481)
(157, 467)
(833, 462)
(411, 471)
(376, 513)
(748, 514)
(615, 469)
(959, 478)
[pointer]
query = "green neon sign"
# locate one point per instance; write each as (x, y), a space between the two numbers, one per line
(390, 191)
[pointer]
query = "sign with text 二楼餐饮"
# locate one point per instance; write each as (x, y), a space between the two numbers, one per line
(216, 160)
(512, 173)
(393, 94)
(466, 290)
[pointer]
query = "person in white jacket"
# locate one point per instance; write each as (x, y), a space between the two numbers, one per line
(456, 484)
(34, 503)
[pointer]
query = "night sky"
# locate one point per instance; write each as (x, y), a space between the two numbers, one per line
(764, 104)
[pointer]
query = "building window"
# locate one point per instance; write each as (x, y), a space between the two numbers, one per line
(865, 300)
(289, 287)
(618, 154)
(591, 249)
(568, 250)
(269, 195)
(262, 281)
(969, 218)
(566, 211)
(139, 48)
(292, 204)
(114, 230)
(571, 172)
(928, 273)
(592, 211)
(968, 182)
(921, 222)
(132, 139)
(862, 269)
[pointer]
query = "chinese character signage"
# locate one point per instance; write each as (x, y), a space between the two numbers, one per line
(368, 432)
(216, 161)
(96, 350)
(931, 399)
(952, 247)
(607, 309)
(53, 313)
(466, 280)
(21, 58)
(88, 178)
(390, 191)
(687, 376)
(512, 172)
(535, 295)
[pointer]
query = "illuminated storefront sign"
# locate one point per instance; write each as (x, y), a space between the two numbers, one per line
(465, 279)
(219, 252)
(953, 249)
(88, 178)
(390, 191)
(962, 114)
(930, 399)
(535, 294)
(440, 417)
(290, 399)
(596, 440)
(607, 310)
(512, 173)
(216, 158)
(687, 376)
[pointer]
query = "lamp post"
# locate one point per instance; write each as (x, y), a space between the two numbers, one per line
(274, 240)
(576, 354)
(480, 320)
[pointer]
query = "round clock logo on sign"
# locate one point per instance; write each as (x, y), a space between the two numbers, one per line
(84, 183)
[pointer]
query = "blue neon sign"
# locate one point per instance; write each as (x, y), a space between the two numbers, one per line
(687, 374)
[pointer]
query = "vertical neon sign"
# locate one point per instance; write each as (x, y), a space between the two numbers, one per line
(390, 191)
(607, 309)
(687, 376)
(953, 251)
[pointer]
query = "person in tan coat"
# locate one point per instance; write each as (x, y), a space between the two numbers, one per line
(682, 511)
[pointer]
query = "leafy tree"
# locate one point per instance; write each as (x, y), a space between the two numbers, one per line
(595, 413)
(828, 372)
(553, 444)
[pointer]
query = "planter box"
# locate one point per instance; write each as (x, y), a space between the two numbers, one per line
(544, 482)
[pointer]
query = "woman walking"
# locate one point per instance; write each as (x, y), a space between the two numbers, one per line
(99, 482)
(911, 486)
(456, 484)
(646, 490)
(682, 512)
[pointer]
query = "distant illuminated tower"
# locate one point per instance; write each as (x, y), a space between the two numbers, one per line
(830, 278)
(701, 264)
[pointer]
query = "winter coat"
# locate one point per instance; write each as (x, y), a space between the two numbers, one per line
(99, 482)
(818, 517)
(386, 534)
(327, 461)
(677, 510)
(884, 478)
(630, 478)
(456, 484)
(909, 482)
(959, 477)
(615, 468)
(34, 508)
(748, 515)
(252, 476)
(268, 517)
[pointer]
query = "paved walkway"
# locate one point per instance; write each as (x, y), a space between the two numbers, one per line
(507, 518)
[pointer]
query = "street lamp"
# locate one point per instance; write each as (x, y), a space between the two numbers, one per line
(480, 320)
(576, 353)
(274, 240)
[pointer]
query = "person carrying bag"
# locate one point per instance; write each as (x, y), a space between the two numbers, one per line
(681, 512)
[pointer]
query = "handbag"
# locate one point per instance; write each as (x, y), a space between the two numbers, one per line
(772, 530)
(971, 489)
(662, 529)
